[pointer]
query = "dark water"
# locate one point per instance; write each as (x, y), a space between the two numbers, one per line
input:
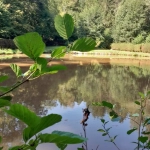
(69, 91)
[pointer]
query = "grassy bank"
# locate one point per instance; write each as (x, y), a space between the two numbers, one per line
(114, 52)
(49, 49)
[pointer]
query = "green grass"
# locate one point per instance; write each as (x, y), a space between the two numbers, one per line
(116, 52)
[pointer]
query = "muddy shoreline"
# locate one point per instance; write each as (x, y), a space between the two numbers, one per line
(23, 61)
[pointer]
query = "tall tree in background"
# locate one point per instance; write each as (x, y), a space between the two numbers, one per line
(104, 20)
(25, 16)
(131, 19)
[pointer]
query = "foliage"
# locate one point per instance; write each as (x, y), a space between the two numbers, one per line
(148, 39)
(32, 45)
(139, 39)
(16, 19)
(141, 125)
(130, 20)
(92, 18)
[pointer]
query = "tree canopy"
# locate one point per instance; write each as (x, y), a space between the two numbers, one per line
(104, 20)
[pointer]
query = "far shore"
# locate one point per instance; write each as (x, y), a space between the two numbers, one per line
(79, 58)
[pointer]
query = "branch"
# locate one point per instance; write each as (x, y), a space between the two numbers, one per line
(26, 80)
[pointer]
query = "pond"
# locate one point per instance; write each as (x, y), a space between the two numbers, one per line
(68, 92)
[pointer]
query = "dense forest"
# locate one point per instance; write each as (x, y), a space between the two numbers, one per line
(105, 20)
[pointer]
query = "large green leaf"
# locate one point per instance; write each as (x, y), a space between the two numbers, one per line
(143, 139)
(41, 63)
(24, 114)
(16, 69)
(44, 123)
(83, 44)
(61, 137)
(64, 25)
(30, 44)
(58, 52)
(3, 78)
(4, 103)
(61, 146)
(4, 88)
(8, 98)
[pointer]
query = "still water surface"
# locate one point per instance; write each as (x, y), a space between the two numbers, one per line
(69, 91)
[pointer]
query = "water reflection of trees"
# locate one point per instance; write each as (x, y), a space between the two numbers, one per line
(90, 83)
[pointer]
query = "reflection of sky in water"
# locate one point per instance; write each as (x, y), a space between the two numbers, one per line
(71, 118)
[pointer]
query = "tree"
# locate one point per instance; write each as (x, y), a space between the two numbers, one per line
(26, 16)
(131, 19)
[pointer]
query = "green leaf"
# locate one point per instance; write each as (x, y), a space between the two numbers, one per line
(64, 25)
(30, 44)
(8, 98)
(108, 129)
(62, 137)
(142, 95)
(49, 70)
(61, 146)
(137, 102)
(104, 134)
(116, 119)
(44, 123)
(143, 139)
(83, 44)
(102, 120)
(15, 148)
(41, 63)
(80, 149)
(101, 130)
(107, 104)
(115, 137)
(4, 103)
(3, 78)
(4, 88)
(148, 93)
(1, 148)
(113, 115)
(33, 67)
(145, 132)
(16, 69)
(130, 131)
(58, 52)
(147, 121)
(24, 114)
(135, 115)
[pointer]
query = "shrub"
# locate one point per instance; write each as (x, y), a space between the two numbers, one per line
(139, 39)
(115, 46)
(146, 48)
(138, 48)
(148, 39)
(129, 47)
(122, 46)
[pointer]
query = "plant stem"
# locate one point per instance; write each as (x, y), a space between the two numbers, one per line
(26, 80)
(110, 137)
